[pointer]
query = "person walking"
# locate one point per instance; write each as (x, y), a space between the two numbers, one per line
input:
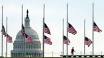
(72, 51)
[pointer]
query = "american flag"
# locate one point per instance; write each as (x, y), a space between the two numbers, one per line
(8, 38)
(87, 41)
(71, 29)
(96, 28)
(47, 40)
(3, 30)
(27, 37)
(66, 40)
(46, 29)
(23, 31)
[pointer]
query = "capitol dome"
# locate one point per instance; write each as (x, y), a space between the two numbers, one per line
(29, 31)
(21, 48)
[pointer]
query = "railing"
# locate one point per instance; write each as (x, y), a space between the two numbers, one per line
(66, 56)
(82, 56)
(30, 57)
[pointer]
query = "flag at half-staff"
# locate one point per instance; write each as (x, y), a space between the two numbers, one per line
(3, 30)
(47, 40)
(71, 29)
(87, 41)
(8, 38)
(46, 29)
(27, 37)
(66, 40)
(96, 28)
(23, 31)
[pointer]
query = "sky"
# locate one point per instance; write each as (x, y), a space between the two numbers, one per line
(55, 12)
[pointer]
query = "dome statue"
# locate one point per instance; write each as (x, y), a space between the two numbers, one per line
(21, 48)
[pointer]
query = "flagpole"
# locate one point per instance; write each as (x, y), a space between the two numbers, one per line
(67, 29)
(23, 25)
(2, 35)
(22, 14)
(63, 37)
(6, 39)
(92, 28)
(43, 26)
(84, 36)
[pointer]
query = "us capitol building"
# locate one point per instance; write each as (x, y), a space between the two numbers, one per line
(21, 48)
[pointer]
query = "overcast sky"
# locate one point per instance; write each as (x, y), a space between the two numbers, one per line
(55, 12)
